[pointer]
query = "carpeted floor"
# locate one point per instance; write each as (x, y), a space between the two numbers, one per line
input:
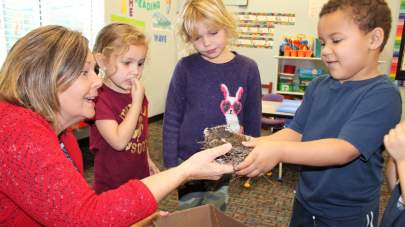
(267, 203)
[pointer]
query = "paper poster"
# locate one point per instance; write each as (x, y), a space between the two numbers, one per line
(160, 22)
(147, 4)
(124, 7)
(168, 4)
(160, 38)
(256, 30)
(394, 72)
(130, 8)
(137, 23)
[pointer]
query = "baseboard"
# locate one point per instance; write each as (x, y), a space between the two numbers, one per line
(155, 118)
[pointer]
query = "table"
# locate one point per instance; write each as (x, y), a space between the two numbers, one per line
(269, 109)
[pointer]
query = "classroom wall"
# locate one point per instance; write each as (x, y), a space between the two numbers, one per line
(163, 56)
(304, 24)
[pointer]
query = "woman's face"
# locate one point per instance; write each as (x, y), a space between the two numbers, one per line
(77, 101)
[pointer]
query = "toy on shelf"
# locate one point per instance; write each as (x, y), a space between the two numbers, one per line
(297, 80)
(297, 46)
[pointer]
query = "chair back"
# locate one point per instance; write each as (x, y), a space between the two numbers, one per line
(273, 97)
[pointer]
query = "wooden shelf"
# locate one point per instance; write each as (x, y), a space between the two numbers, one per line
(310, 59)
(290, 93)
(298, 58)
(287, 74)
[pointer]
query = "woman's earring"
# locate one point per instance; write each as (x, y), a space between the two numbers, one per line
(101, 73)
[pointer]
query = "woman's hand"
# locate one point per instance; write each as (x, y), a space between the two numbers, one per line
(148, 221)
(202, 165)
(395, 142)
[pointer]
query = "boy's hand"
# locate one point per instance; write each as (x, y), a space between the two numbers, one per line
(395, 142)
(137, 91)
(262, 159)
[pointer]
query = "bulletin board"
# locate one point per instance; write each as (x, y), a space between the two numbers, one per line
(282, 18)
(400, 66)
(398, 60)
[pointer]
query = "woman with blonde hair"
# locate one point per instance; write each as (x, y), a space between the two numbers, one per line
(48, 83)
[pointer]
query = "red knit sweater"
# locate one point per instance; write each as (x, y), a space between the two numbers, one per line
(40, 186)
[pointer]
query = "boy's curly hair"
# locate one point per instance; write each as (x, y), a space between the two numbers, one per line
(368, 14)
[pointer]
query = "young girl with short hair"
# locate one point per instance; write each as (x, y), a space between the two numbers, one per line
(119, 137)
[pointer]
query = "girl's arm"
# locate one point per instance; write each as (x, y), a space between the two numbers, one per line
(119, 135)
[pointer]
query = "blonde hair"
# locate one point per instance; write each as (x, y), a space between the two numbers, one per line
(117, 37)
(211, 11)
(41, 64)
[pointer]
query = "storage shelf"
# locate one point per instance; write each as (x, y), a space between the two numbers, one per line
(287, 74)
(290, 93)
(298, 58)
(311, 59)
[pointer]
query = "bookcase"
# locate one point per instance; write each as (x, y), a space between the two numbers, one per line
(295, 73)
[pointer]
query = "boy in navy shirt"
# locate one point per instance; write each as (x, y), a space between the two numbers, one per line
(394, 214)
(337, 133)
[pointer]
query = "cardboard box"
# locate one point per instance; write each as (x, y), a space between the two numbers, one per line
(202, 216)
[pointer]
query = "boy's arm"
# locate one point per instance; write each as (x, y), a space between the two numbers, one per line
(391, 174)
(285, 134)
(268, 153)
(401, 174)
(395, 143)
(119, 135)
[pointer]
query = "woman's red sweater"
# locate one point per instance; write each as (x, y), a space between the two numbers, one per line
(40, 186)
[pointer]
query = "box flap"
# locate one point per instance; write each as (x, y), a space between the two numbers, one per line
(221, 220)
(202, 216)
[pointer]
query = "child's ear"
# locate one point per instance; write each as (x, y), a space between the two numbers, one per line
(376, 38)
(101, 60)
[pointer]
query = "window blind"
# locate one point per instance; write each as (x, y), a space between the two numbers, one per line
(18, 17)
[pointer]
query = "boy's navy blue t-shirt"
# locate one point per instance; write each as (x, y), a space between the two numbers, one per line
(361, 113)
(394, 213)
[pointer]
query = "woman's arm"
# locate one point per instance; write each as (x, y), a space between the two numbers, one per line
(40, 181)
(199, 166)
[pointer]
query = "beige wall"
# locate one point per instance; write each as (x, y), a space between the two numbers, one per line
(162, 58)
